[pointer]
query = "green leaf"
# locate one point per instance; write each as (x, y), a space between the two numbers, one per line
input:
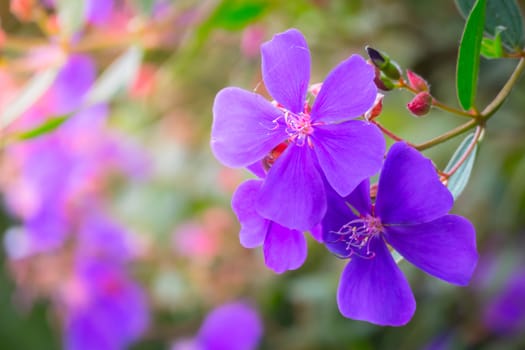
(29, 94)
(492, 48)
(118, 76)
(500, 13)
(237, 14)
(469, 56)
(71, 15)
(48, 126)
(457, 182)
(232, 15)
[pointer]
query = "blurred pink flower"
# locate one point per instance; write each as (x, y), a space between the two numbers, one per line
(252, 38)
(193, 240)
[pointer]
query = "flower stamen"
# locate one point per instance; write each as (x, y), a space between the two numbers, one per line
(358, 234)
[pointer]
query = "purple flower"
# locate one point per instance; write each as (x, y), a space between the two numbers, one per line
(57, 176)
(284, 249)
(410, 215)
(105, 309)
(99, 11)
(233, 326)
(300, 145)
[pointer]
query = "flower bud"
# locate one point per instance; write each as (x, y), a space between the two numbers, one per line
(416, 82)
(383, 62)
(392, 70)
(379, 59)
(376, 109)
(420, 104)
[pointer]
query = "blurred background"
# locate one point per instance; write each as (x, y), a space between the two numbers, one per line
(116, 223)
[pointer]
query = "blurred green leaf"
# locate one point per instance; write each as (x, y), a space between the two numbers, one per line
(232, 15)
(42, 129)
(236, 14)
(29, 94)
(145, 7)
(458, 181)
(500, 13)
(469, 55)
(492, 48)
(118, 76)
(71, 15)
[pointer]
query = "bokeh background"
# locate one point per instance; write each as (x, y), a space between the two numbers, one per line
(150, 173)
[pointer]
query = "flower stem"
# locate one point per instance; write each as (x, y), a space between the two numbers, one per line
(389, 133)
(504, 92)
(436, 103)
(467, 153)
(452, 110)
(478, 119)
(448, 135)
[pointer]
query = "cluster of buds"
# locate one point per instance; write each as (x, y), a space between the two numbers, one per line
(389, 76)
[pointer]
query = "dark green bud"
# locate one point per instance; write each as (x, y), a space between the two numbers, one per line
(383, 62)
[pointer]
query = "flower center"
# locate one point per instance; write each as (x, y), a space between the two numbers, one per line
(298, 127)
(357, 235)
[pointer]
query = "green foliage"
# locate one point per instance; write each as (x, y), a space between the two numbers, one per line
(500, 14)
(492, 48)
(144, 6)
(232, 15)
(236, 14)
(46, 127)
(458, 181)
(469, 56)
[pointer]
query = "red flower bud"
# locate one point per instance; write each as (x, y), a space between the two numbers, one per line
(376, 109)
(22, 9)
(420, 104)
(416, 82)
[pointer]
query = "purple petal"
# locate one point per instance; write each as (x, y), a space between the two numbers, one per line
(339, 213)
(317, 233)
(286, 69)
(99, 11)
(347, 92)
(73, 81)
(409, 189)
(444, 248)
(348, 153)
(253, 226)
(257, 169)
(284, 249)
(245, 127)
(113, 312)
(233, 326)
(293, 193)
(375, 290)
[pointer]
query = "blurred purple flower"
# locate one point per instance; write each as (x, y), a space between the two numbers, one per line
(319, 142)
(104, 308)
(232, 326)
(505, 313)
(102, 238)
(410, 214)
(65, 95)
(59, 173)
(99, 11)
